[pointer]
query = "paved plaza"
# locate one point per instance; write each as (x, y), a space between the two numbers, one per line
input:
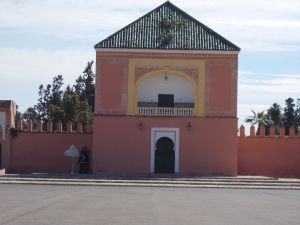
(84, 205)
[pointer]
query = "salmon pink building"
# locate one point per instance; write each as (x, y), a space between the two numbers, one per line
(165, 102)
(166, 98)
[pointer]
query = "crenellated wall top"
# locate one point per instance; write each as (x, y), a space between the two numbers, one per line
(59, 128)
(272, 131)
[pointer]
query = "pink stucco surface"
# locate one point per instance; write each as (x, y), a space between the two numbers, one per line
(220, 84)
(269, 156)
(120, 146)
(111, 85)
(221, 87)
(111, 90)
(44, 152)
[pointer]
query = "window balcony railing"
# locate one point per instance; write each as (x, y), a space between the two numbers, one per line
(162, 111)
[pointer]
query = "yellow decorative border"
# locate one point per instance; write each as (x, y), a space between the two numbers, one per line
(133, 84)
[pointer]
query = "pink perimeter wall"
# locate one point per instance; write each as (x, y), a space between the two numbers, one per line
(44, 152)
(269, 156)
(120, 146)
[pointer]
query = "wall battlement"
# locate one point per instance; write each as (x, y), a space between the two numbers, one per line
(272, 133)
(48, 127)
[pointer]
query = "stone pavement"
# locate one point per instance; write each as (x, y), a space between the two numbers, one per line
(101, 205)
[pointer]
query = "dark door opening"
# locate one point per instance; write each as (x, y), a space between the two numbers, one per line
(164, 156)
(84, 161)
(165, 100)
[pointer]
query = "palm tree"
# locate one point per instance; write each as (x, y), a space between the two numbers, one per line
(259, 118)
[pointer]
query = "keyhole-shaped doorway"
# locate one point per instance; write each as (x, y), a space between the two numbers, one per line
(164, 156)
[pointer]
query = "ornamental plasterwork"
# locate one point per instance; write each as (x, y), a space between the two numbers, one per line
(142, 69)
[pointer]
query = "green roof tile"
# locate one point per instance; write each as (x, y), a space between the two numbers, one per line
(167, 27)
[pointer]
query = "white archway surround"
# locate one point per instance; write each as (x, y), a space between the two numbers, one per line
(157, 133)
(152, 86)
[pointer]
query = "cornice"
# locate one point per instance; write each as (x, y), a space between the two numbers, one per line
(120, 52)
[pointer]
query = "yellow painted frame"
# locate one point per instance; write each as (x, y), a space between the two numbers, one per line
(133, 85)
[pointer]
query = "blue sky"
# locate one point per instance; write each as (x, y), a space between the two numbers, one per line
(40, 39)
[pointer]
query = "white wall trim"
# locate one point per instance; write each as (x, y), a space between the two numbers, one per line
(173, 134)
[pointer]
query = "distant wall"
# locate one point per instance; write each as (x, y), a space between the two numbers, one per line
(9, 108)
(276, 156)
(7, 120)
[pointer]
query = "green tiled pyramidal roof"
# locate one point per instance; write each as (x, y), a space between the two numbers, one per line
(167, 27)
